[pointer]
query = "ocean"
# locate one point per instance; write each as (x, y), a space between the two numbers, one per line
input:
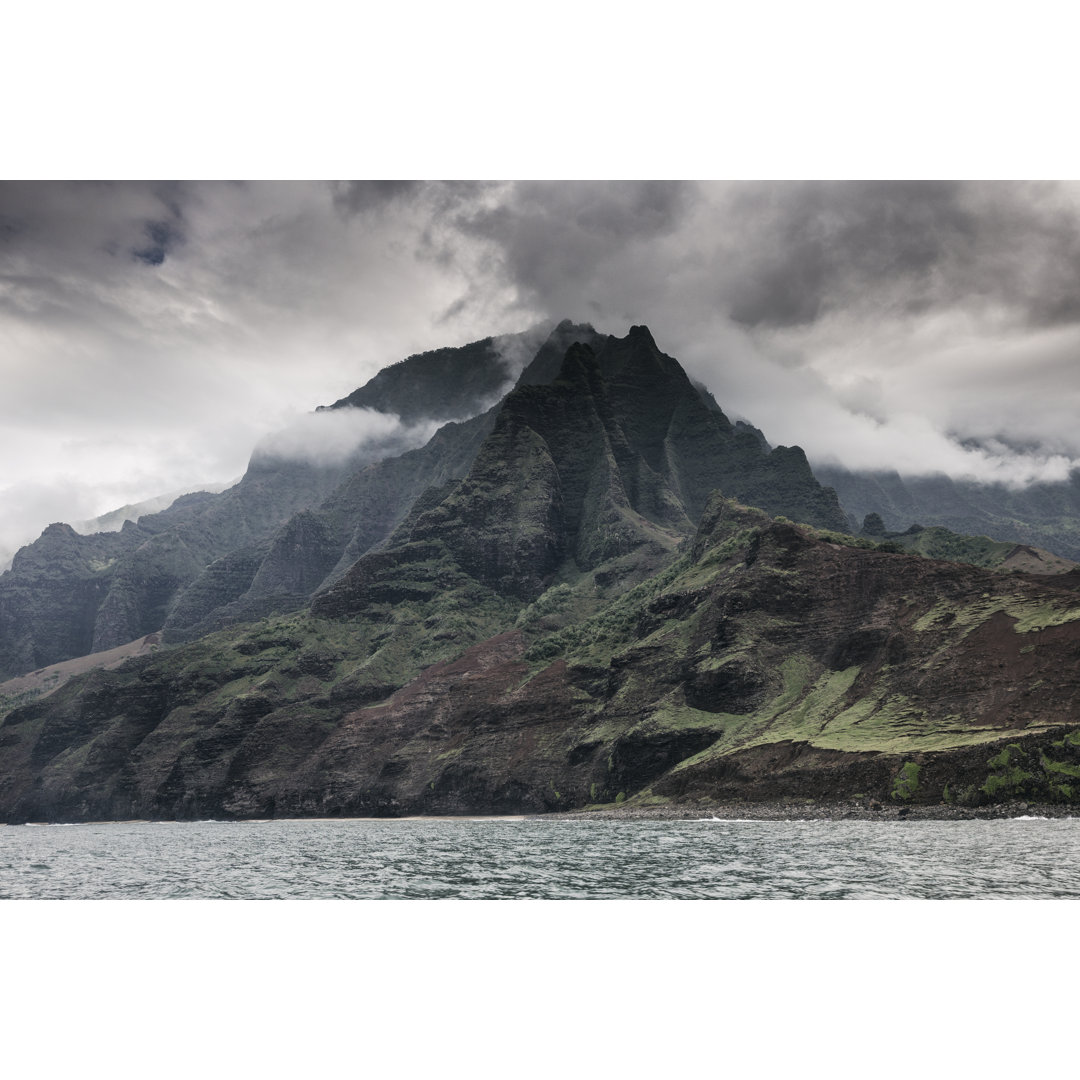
(530, 858)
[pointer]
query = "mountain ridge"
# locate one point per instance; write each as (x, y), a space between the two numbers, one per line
(286, 529)
(593, 593)
(1045, 515)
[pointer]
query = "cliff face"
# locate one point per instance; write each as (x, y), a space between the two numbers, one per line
(50, 598)
(766, 661)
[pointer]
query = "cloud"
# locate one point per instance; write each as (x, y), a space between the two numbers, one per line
(165, 328)
(558, 243)
(162, 237)
(332, 436)
(812, 248)
(359, 196)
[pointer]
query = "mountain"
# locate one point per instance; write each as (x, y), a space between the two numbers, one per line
(551, 606)
(292, 526)
(1042, 515)
(317, 545)
(198, 562)
(617, 454)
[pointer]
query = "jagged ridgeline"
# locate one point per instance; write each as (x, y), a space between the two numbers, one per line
(292, 527)
(618, 454)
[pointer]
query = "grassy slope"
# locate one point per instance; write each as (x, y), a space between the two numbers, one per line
(937, 542)
(805, 700)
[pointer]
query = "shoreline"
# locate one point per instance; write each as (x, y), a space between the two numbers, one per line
(802, 811)
(263, 820)
(794, 810)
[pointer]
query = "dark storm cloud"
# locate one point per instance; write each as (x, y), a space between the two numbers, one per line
(800, 246)
(353, 197)
(359, 196)
(807, 249)
(165, 233)
(62, 227)
(779, 254)
(555, 235)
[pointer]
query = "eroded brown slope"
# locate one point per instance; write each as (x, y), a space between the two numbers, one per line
(773, 664)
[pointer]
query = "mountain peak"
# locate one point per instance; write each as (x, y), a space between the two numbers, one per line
(441, 384)
(58, 528)
(642, 334)
(636, 363)
(546, 365)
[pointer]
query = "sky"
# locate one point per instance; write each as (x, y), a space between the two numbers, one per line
(152, 333)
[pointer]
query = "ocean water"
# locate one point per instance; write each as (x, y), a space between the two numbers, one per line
(510, 858)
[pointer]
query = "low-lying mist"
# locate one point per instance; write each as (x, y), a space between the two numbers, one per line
(331, 437)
